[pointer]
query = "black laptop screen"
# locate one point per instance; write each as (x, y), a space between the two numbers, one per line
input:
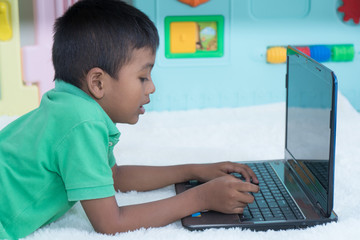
(308, 131)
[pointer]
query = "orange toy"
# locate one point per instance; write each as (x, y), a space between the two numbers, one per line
(194, 3)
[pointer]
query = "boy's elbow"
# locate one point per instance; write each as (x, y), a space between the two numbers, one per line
(110, 227)
(114, 228)
(107, 230)
(104, 215)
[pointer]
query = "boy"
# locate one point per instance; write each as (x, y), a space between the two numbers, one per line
(62, 152)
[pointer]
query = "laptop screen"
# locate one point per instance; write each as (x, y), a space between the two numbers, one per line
(309, 134)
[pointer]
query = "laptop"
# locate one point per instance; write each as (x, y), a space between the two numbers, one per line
(297, 191)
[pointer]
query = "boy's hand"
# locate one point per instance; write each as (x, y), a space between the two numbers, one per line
(226, 194)
(207, 172)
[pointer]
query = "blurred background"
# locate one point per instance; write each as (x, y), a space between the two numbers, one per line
(212, 53)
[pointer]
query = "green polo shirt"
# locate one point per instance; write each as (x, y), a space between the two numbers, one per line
(52, 157)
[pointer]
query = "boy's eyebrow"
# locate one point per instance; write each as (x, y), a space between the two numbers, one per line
(148, 65)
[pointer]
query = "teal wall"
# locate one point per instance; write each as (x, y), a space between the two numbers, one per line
(241, 77)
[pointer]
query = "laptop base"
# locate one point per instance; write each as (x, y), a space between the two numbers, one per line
(220, 220)
(212, 219)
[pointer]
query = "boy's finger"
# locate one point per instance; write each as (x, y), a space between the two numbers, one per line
(239, 168)
(247, 187)
(252, 174)
(246, 172)
(245, 199)
(239, 210)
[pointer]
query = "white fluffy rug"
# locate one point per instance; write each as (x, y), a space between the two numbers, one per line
(241, 134)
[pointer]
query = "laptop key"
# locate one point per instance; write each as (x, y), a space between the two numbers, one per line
(278, 215)
(283, 203)
(253, 205)
(258, 216)
(273, 204)
(258, 219)
(262, 204)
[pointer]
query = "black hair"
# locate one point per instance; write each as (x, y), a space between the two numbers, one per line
(99, 33)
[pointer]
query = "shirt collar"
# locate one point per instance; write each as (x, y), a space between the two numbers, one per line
(62, 86)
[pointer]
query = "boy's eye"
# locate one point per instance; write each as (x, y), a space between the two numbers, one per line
(143, 79)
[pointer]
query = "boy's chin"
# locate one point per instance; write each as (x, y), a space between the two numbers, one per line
(133, 121)
(129, 120)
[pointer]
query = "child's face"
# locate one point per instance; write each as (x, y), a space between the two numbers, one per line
(127, 95)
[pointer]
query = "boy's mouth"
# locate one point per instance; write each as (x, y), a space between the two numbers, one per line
(142, 110)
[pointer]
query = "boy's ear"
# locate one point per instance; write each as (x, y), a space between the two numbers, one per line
(95, 81)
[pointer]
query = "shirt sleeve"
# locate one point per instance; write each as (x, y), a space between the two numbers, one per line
(84, 160)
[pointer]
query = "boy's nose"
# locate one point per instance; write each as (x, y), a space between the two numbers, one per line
(151, 87)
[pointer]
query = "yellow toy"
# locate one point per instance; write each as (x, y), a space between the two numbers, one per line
(15, 97)
(5, 25)
(276, 55)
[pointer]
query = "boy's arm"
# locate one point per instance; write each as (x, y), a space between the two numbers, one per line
(145, 178)
(106, 217)
(225, 194)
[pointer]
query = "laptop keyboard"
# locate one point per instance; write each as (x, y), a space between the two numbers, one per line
(272, 202)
